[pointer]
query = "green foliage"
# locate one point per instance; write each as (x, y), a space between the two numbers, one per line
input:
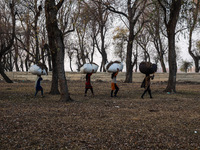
(186, 65)
(121, 33)
(198, 45)
(120, 38)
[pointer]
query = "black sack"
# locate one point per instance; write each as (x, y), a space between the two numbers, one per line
(147, 68)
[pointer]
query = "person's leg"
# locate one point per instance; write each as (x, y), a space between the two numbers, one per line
(92, 91)
(145, 92)
(42, 92)
(86, 89)
(149, 91)
(36, 92)
(111, 94)
(117, 89)
(112, 89)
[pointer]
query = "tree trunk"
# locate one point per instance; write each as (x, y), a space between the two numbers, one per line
(161, 54)
(129, 66)
(42, 55)
(56, 45)
(171, 87)
(158, 40)
(26, 62)
(46, 47)
(70, 64)
(22, 65)
(38, 10)
(195, 58)
(16, 57)
(197, 65)
(65, 97)
(104, 59)
(103, 51)
(54, 83)
(195, 18)
(6, 78)
(170, 24)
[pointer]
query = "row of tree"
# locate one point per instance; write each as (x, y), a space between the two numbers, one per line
(44, 31)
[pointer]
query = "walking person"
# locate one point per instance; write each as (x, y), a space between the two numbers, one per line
(146, 84)
(88, 83)
(38, 87)
(114, 85)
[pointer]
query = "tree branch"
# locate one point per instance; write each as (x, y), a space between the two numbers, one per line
(114, 10)
(58, 6)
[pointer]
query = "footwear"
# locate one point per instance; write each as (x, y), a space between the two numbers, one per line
(85, 95)
(151, 97)
(142, 97)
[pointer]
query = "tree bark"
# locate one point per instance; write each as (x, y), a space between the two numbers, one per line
(171, 87)
(16, 56)
(195, 58)
(56, 45)
(103, 51)
(54, 84)
(6, 78)
(171, 28)
(161, 54)
(49, 56)
(38, 10)
(129, 66)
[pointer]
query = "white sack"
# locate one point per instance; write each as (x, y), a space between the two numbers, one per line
(87, 68)
(36, 70)
(114, 67)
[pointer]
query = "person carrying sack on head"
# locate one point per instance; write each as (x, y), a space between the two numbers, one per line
(88, 83)
(146, 84)
(114, 85)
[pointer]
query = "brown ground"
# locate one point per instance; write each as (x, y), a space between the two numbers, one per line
(168, 121)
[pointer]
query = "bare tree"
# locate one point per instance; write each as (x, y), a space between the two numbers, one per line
(56, 45)
(192, 22)
(101, 15)
(171, 15)
(83, 44)
(143, 40)
(155, 28)
(120, 41)
(132, 12)
(7, 43)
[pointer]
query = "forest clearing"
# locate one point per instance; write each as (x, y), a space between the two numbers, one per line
(168, 121)
(50, 37)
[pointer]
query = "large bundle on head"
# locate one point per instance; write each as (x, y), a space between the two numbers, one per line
(113, 66)
(147, 67)
(39, 69)
(89, 68)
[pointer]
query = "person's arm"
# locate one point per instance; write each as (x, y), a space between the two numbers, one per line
(152, 77)
(116, 72)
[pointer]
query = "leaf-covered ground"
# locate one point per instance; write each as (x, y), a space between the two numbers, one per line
(168, 121)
